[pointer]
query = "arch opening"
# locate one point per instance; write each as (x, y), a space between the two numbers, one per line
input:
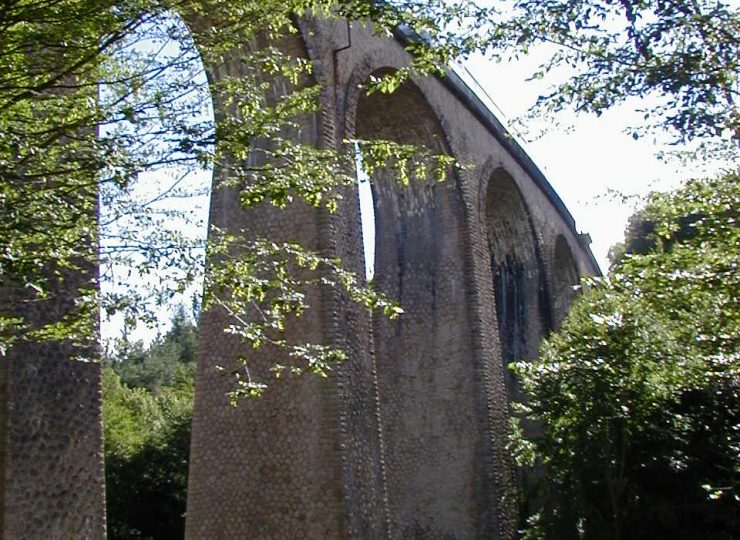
(367, 214)
(565, 277)
(522, 309)
(154, 208)
(154, 205)
(426, 380)
(518, 280)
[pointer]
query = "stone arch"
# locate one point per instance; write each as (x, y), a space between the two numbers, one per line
(565, 278)
(517, 271)
(431, 430)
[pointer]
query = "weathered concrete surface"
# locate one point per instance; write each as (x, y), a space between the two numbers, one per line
(406, 440)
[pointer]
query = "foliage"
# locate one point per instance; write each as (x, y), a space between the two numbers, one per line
(681, 54)
(95, 95)
(167, 362)
(272, 281)
(637, 394)
(148, 407)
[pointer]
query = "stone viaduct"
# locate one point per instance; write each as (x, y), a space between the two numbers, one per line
(406, 438)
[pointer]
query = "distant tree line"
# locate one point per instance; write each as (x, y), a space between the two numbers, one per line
(148, 409)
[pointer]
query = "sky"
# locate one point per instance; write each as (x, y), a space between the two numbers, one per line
(592, 163)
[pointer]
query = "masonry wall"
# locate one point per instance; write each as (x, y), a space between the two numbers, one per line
(51, 425)
(51, 416)
(427, 383)
(52, 485)
(303, 460)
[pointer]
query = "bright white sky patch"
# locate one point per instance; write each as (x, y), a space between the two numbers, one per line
(367, 215)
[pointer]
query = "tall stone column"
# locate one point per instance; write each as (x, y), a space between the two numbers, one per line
(51, 425)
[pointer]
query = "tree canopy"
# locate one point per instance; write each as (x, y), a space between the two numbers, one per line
(681, 54)
(93, 94)
(637, 394)
(148, 408)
